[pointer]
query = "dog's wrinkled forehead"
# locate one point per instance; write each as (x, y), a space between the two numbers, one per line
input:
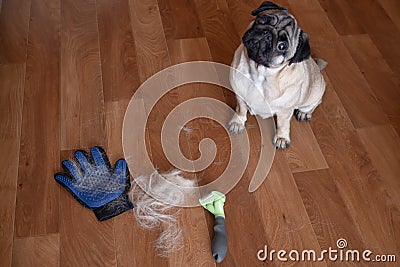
(267, 6)
(272, 15)
(275, 19)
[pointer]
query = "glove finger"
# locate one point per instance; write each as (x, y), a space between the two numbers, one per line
(121, 171)
(100, 157)
(85, 161)
(72, 168)
(63, 179)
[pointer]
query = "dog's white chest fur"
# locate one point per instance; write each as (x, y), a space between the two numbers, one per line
(286, 87)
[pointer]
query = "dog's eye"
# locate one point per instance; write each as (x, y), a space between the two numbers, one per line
(282, 46)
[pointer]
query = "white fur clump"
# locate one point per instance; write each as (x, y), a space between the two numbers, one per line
(160, 211)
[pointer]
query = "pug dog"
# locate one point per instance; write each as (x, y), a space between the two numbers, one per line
(275, 56)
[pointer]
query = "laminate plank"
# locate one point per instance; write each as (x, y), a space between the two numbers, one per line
(341, 16)
(241, 204)
(379, 75)
(392, 9)
(114, 114)
(191, 220)
(192, 235)
(37, 209)
(117, 49)
(82, 100)
(133, 245)
(196, 49)
(180, 19)
(184, 50)
(283, 214)
(151, 47)
(382, 144)
(385, 34)
(130, 238)
(83, 239)
(328, 214)
(195, 237)
(356, 179)
(218, 29)
(14, 26)
(304, 153)
(37, 251)
(240, 12)
(354, 91)
(12, 79)
(152, 56)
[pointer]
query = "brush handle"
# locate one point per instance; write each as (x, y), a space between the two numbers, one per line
(219, 243)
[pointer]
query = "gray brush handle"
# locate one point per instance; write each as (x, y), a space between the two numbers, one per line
(219, 243)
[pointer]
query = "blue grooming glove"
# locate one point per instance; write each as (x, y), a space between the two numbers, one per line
(95, 184)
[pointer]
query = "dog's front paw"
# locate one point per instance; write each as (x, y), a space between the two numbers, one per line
(281, 143)
(236, 127)
(302, 116)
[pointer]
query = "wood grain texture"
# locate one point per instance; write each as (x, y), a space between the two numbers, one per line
(37, 201)
(376, 71)
(37, 251)
(68, 69)
(304, 153)
(195, 49)
(354, 91)
(218, 29)
(385, 34)
(151, 47)
(180, 19)
(14, 25)
(114, 113)
(382, 144)
(341, 16)
(82, 100)
(133, 245)
(356, 180)
(12, 79)
(118, 52)
(83, 239)
(392, 8)
(328, 214)
(197, 248)
(287, 225)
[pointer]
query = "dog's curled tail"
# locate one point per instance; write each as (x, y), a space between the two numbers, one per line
(321, 63)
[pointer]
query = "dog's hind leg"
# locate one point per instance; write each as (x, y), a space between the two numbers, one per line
(302, 116)
(305, 113)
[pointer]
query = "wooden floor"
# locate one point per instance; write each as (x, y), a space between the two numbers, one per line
(68, 69)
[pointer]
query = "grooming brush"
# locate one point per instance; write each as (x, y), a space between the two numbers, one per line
(214, 203)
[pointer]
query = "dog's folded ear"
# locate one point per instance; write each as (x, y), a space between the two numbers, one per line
(303, 50)
(267, 5)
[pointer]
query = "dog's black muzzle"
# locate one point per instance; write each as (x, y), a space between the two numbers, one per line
(258, 42)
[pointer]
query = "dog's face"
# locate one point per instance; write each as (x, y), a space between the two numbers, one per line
(274, 38)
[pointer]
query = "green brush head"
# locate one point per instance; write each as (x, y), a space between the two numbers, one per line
(214, 203)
